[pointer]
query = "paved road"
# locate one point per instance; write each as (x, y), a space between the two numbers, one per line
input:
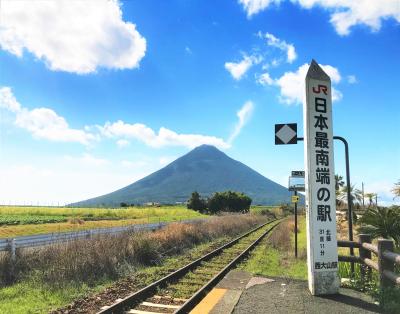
(292, 296)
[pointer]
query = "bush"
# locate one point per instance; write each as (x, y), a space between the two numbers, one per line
(196, 203)
(229, 201)
(382, 222)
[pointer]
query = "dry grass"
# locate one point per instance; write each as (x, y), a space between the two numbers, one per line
(90, 260)
(280, 237)
(76, 221)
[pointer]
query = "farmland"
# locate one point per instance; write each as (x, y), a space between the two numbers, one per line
(20, 220)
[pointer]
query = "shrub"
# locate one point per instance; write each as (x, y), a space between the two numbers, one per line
(229, 201)
(105, 256)
(197, 203)
(382, 222)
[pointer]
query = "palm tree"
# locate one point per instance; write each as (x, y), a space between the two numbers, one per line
(355, 194)
(339, 183)
(396, 189)
(370, 197)
(382, 222)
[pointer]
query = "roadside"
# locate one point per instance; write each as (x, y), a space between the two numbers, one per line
(275, 254)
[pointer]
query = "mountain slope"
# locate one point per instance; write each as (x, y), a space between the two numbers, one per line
(204, 169)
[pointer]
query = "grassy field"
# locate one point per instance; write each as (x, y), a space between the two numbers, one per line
(32, 296)
(56, 275)
(275, 257)
(264, 209)
(17, 221)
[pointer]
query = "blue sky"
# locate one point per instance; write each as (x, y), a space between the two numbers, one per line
(95, 95)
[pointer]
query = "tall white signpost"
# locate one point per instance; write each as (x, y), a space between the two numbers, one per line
(322, 256)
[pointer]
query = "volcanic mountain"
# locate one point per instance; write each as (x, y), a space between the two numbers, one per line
(204, 169)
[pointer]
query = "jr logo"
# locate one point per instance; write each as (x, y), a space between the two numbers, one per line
(321, 88)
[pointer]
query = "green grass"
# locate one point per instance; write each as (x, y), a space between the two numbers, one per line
(98, 213)
(19, 220)
(268, 261)
(258, 209)
(31, 296)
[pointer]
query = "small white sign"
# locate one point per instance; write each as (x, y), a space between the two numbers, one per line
(320, 184)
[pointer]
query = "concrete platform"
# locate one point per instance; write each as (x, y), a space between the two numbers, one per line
(241, 293)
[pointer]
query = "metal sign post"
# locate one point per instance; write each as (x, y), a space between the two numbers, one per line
(296, 185)
(295, 200)
(322, 255)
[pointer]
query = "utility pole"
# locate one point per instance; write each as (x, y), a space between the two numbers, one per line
(295, 226)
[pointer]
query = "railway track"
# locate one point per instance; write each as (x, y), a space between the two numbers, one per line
(180, 291)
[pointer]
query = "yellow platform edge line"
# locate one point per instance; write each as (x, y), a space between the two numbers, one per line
(208, 303)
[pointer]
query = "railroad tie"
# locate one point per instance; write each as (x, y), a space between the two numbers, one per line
(140, 312)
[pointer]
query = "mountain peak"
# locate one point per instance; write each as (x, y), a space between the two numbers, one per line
(206, 147)
(205, 152)
(205, 169)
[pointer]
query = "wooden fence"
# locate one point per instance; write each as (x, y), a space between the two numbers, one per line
(385, 265)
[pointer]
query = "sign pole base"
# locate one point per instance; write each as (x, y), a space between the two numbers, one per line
(324, 283)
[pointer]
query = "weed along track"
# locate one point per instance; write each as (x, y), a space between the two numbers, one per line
(181, 290)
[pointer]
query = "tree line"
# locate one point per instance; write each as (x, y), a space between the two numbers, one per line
(227, 201)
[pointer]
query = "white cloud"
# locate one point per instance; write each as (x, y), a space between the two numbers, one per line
(122, 143)
(71, 36)
(164, 137)
(46, 124)
(243, 115)
(254, 6)
(42, 122)
(292, 87)
(345, 13)
(282, 45)
(8, 101)
(384, 191)
(351, 79)
(265, 79)
(237, 70)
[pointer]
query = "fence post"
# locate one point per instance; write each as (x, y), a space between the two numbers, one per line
(364, 253)
(384, 264)
(12, 249)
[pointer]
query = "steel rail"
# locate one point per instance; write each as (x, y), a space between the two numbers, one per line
(136, 297)
(199, 295)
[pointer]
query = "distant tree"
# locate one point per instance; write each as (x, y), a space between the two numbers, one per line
(355, 194)
(123, 204)
(370, 197)
(229, 201)
(197, 203)
(396, 189)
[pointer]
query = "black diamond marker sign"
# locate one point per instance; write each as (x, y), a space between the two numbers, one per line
(286, 133)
